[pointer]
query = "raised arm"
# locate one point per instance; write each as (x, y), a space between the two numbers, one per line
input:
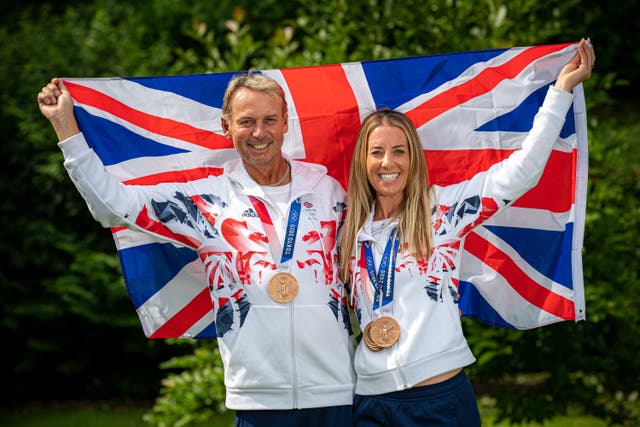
(523, 169)
(110, 202)
(506, 181)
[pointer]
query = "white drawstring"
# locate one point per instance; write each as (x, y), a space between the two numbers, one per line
(353, 273)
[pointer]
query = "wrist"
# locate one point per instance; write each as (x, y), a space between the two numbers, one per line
(65, 127)
(564, 84)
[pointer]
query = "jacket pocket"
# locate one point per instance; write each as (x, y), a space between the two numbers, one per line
(322, 348)
(261, 356)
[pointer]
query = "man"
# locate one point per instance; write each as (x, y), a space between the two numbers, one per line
(266, 233)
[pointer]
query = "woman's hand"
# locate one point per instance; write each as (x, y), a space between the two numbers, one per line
(579, 68)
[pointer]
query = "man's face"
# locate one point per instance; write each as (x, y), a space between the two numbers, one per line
(257, 127)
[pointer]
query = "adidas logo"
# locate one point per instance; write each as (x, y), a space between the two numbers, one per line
(250, 213)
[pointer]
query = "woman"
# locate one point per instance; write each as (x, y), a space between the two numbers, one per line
(402, 262)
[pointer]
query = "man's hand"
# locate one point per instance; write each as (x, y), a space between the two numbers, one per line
(55, 103)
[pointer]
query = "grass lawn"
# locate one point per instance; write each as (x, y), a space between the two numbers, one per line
(576, 421)
(76, 415)
(86, 415)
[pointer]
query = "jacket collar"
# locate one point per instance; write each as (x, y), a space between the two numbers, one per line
(304, 177)
(365, 233)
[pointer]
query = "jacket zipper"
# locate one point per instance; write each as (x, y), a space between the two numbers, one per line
(292, 332)
(294, 369)
(400, 365)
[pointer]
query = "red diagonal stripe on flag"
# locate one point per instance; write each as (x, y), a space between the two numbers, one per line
(158, 125)
(174, 176)
(329, 116)
(184, 319)
(482, 83)
(526, 287)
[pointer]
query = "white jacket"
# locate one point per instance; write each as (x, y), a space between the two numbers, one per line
(275, 355)
(425, 296)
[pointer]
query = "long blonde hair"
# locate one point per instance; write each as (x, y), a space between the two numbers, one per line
(415, 212)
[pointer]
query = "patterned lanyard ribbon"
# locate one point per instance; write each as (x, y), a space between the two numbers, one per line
(270, 230)
(384, 279)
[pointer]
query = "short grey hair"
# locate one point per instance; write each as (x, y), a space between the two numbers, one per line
(254, 81)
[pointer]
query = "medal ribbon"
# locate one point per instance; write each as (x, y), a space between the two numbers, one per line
(270, 230)
(384, 279)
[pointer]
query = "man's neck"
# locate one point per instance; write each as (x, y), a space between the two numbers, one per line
(272, 175)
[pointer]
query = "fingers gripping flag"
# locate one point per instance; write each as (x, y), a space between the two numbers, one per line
(521, 269)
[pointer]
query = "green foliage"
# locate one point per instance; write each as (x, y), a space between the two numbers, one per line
(612, 266)
(193, 394)
(63, 298)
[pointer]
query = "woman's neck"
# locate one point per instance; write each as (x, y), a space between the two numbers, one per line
(387, 207)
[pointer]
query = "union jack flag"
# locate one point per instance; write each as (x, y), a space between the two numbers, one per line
(521, 269)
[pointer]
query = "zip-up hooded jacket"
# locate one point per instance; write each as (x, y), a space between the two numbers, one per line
(275, 355)
(425, 293)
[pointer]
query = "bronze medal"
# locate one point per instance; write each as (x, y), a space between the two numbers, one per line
(384, 331)
(283, 287)
(368, 341)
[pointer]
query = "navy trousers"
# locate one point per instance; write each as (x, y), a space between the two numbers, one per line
(333, 416)
(451, 403)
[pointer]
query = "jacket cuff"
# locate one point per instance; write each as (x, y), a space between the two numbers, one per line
(557, 100)
(74, 146)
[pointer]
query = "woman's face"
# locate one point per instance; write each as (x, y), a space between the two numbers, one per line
(388, 162)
